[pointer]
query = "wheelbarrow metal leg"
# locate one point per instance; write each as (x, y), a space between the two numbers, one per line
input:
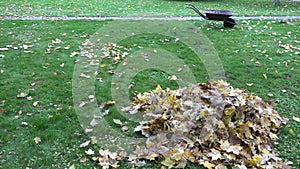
(229, 23)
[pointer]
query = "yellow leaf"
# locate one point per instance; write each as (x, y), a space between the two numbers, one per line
(297, 119)
(265, 76)
(177, 156)
(221, 125)
(35, 103)
(229, 111)
(287, 47)
(168, 162)
(291, 131)
(208, 165)
(22, 95)
(94, 140)
(158, 88)
(202, 114)
(115, 165)
(149, 144)
(256, 159)
(109, 103)
(264, 151)
(273, 136)
(37, 140)
(152, 156)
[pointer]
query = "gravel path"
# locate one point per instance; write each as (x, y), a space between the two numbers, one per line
(140, 18)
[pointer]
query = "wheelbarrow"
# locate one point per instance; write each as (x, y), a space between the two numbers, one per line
(218, 15)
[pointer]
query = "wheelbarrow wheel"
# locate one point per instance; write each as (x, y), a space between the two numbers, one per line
(229, 23)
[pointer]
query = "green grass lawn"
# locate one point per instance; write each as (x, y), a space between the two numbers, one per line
(250, 55)
(143, 7)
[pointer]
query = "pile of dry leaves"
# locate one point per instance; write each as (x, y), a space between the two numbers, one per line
(210, 124)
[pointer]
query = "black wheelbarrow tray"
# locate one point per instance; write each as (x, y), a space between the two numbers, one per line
(218, 15)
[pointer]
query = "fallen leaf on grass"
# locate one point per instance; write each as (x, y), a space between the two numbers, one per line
(72, 166)
(93, 123)
(82, 159)
(94, 140)
(37, 140)
(94, 63)
(265, 76)
(3, 49)
(90, 152)
(24, 123)
(22, 95)
(297, 119)
(85, 144)
(124, 128)
(29, 98)
(118, 122)
(82, 104)
(92, 98)
(35, 103)
(173, 77)
(87, 130)
(74, 54)
(56, 41)
(85, 75)
(67, 47)
(110, 103)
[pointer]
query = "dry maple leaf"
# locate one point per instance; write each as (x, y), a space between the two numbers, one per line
(85, 144)
(297, 119)
(22, 95)
(37, 140)
(118, 122)
(90, 152)
(211, 124)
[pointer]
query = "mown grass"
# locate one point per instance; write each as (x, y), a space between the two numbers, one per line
(143, 7)
(249, 53)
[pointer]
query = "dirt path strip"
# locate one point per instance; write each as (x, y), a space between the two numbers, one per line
(33, 18)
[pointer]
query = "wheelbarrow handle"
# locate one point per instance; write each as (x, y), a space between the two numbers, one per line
(191, 6)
